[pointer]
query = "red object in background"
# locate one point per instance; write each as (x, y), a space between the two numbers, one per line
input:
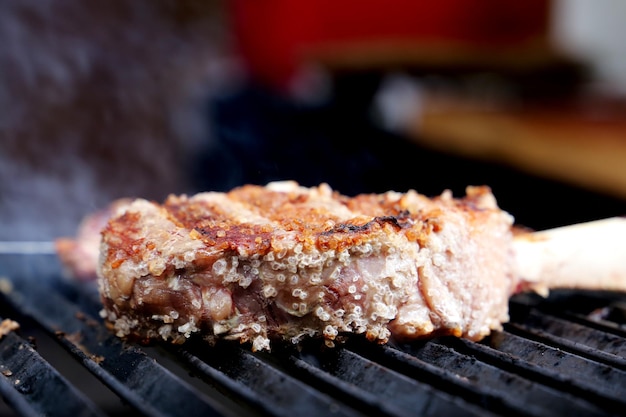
(274, 35)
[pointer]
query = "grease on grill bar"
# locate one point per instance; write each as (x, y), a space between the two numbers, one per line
(33, 387)
(560, 356)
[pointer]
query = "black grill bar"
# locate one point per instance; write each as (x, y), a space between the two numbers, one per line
(33, 387)
(364, 400)
(548, 361)
(576, 333)
(267, 388)
(601, 310)
(481, 383)
(128, 371)
(374, 385)
(573, 337)
(550, 366)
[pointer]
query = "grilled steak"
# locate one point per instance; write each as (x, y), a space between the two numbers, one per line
(281, 261)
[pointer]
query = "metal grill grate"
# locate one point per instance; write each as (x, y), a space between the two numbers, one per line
(565, 355)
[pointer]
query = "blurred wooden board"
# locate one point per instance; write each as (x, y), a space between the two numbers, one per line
(586, 149)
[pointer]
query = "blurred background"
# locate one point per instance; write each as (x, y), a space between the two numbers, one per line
(102, 100)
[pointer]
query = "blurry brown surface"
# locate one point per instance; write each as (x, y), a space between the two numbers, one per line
(441, 56)
(582, 143)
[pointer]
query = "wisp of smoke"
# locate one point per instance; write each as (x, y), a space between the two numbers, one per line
(98, 100)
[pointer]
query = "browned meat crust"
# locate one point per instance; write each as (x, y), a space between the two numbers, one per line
(284, 261)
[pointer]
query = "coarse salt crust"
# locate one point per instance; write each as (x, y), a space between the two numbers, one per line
(288, 262)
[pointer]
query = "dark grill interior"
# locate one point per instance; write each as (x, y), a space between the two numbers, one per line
(565, 355)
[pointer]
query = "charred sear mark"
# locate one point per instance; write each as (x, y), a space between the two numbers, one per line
(210, 232)
(400, 221)
(248, 238)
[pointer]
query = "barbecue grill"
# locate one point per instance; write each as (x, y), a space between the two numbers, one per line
(563, 355)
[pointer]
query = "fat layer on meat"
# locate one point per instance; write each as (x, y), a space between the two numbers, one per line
(282, 261)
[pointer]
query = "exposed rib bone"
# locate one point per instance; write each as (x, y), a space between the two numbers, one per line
(588, 255)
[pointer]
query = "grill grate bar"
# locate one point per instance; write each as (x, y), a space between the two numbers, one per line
(447, 381)
(33, 387)
(326, 382)
(599, 324)
(598, 310)
(127, 370)
(550, 366)
(376, 386)
(237, 390)
(479, 382)
(531, 331)
(18, 402)
(575, 317)
(265, 387)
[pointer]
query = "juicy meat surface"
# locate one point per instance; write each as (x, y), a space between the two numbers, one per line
(282, 261)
